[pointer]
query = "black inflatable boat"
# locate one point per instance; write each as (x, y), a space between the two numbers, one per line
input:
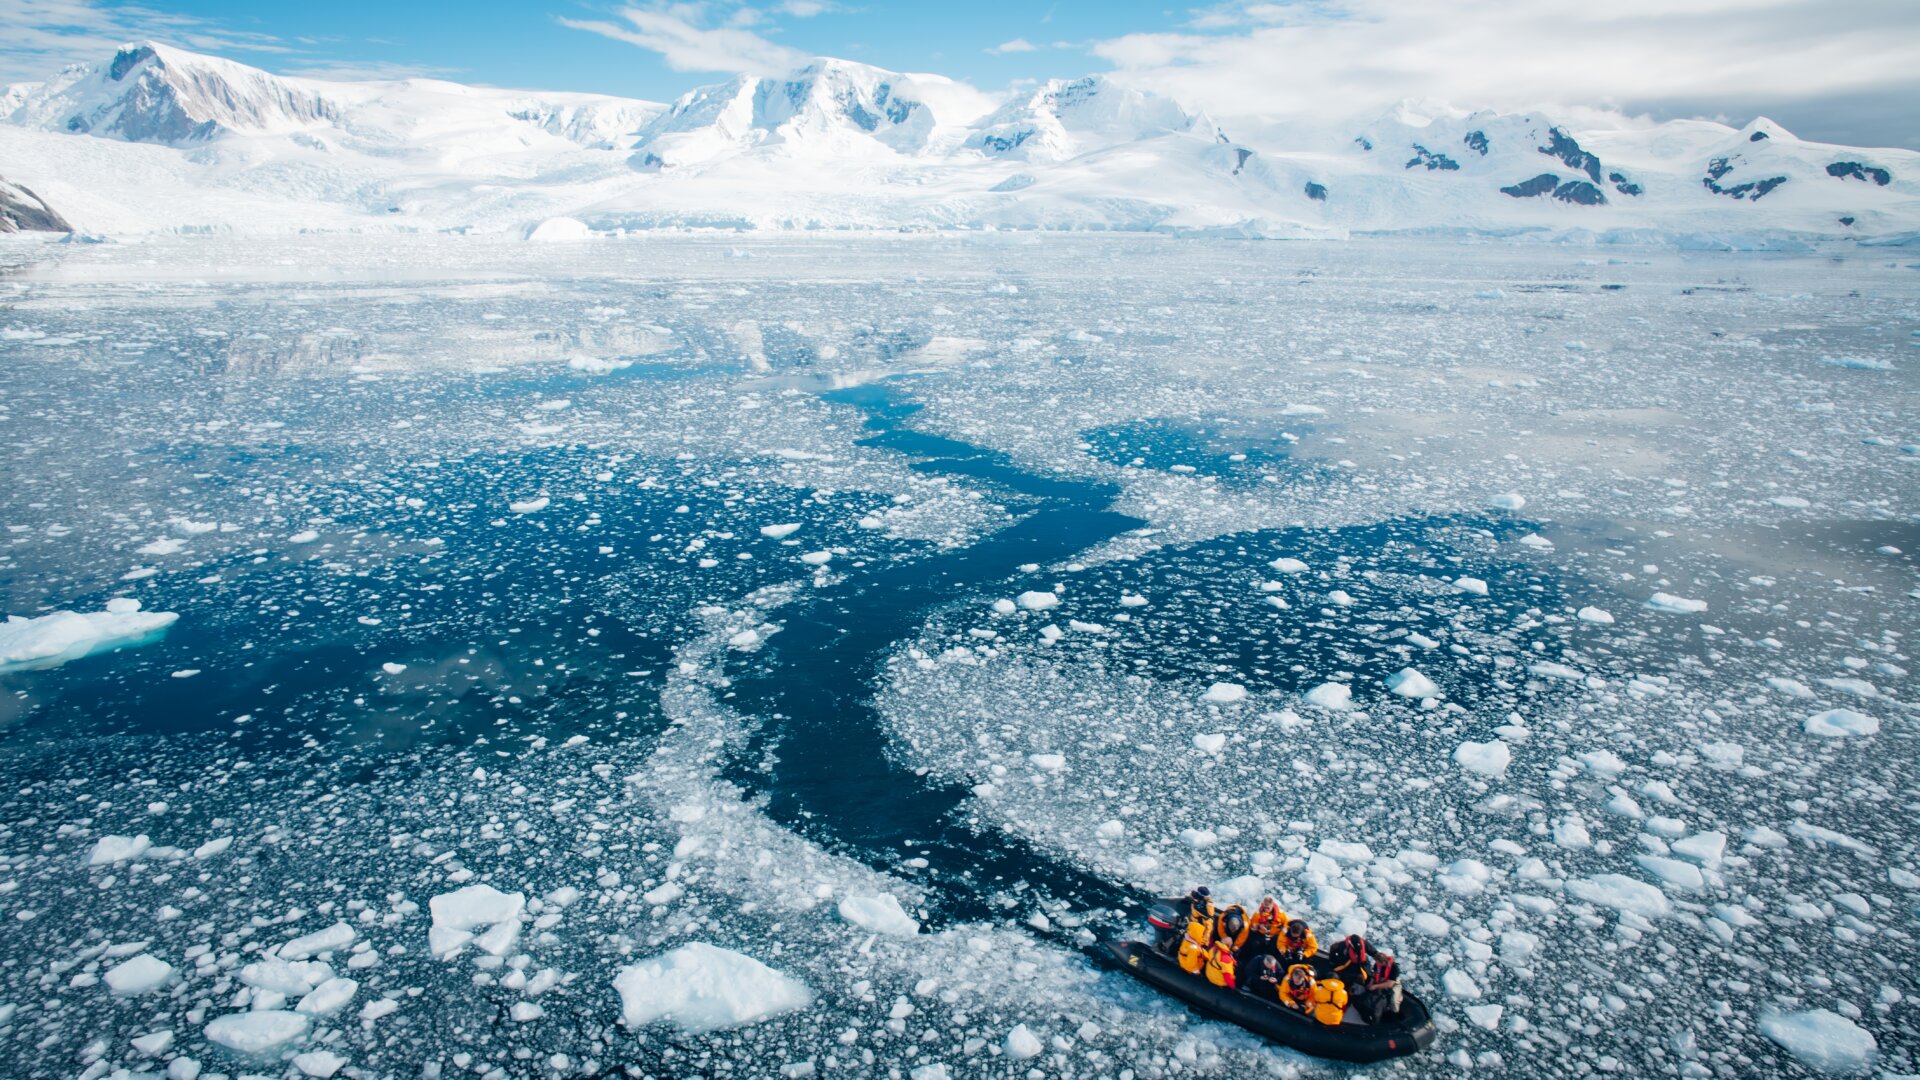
(1409, 1032)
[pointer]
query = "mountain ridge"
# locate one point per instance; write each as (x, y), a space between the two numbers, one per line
(841, 144)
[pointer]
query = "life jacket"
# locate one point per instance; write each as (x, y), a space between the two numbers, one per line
(1194, 946)
(1269, 920)
(1294, 996)
(1220, 922)
(1351, 968)
(1288, 952)
(1220, 965)
(1329, 1001)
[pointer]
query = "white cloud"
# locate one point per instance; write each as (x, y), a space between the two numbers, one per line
(1017, 45)
(1285, 61)
(686, 46)
(38, 37)
(807, 9)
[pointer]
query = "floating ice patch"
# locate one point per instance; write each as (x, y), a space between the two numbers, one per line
(1286, 565)
(333, 938)
(138, 974)
(458, 914)
(1860, 363)
(1470, 585)
(1594, 615)
(1821, 1039)
(881, 914)
(48, 641)
(1337, 696)
(113, 849)
(1225, 693)
(1484, 758)
(780, 532)
(1511, 500)
(1210, 744)
(1668, 602)
(1409, 683)
(1841, 723)
(257, 1032)
(530, 506)
(1621, 893)
(1022, 1044)
(1035, 600)
(700, 988)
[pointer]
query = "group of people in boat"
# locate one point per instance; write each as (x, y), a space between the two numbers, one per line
(1269, 955)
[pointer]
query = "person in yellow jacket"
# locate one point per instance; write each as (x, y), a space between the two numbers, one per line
(1220, 964)
(1196, 943)
(1325, 1000)
(1297, 942)
(1231, 927)
(1263, 931)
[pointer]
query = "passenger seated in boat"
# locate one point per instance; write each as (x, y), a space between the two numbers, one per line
(1297, 942)
(1263, 932)
(1324, 1000)
(1264, 977)
(1221, 970)
(1353, 960)
(1231, 927)
(1379, 999)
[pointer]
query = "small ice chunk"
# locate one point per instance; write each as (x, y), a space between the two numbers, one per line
(1337, 696)
(817, 558)
(881, 914)
(116, 849)
(319, 1064)
(1484, 758)
(1595, 615)
(1022, 1044)
(1460, 984)
(328, 998)
(1792, 688)
(1048, 762)
(475, 906)
(1409, 683)
(1661, 601)
(1821, 1039)
(1841, 723)
(1473, 585)
(1225, 693)
(138, 974)
(1210, 744)
(308, 536)
(338, 936)
(1621, 893)
(1511, 500)
(530, 506)
(1485, 1016)
(281, 977)
(1705, 848)
(780, 532)
(257, 1032)
(1672, 872)
(1333, 901)
(1131, 600)
(1034, 600)
(1286, 565)
(700, 988)
(1431, 924)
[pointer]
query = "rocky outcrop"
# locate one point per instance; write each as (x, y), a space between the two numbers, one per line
(23, 211)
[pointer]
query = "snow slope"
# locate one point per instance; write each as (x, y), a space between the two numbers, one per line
(162, 140)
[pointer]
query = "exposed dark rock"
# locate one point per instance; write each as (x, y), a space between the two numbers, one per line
(1364, 142)
(1756, 136)
(1000, 144)
(1424, 156)
(23, 211)
(1623, 185)
(1527, 189)
(1847, 221)
(1561, 145)
(1316, 192)
(1853, 170)
(1244, 154)
(1580, 193)
(1752, 190)
(1477, 140)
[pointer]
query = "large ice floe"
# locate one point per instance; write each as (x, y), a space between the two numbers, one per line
(777, 656)
(44, 641)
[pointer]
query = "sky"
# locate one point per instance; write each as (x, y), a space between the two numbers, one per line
(1843, 71)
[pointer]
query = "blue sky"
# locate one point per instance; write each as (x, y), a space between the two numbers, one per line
(1834, 70)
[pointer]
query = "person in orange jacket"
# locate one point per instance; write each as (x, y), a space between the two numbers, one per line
(1297, 942)
(1263, 932)
(1324, 1000)
(1231, 927)
(1221, 970)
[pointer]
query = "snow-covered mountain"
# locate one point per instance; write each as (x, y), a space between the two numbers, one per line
(157, 138)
